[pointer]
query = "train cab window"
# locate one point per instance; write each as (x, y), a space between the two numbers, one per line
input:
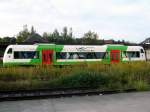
(9, 51)
(142, 51)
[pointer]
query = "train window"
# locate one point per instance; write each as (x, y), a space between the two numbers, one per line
(142, 51)
(81, 55)
(26, 55)
(73, 56)
(133, 54)
(130, 54)
(61, 55)
(9, 51)
(101, 55)
(90, 56)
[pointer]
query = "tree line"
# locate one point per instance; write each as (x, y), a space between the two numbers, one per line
(64, 37)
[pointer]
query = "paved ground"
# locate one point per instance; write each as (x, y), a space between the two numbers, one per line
(125, 102)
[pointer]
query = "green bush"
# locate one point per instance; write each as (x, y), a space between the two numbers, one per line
(83, 79)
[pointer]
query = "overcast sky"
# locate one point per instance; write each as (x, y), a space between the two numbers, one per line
(111, 19)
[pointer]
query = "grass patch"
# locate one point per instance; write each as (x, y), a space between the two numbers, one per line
(116, 76)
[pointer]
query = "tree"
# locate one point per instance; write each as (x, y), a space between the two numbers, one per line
(65, 33)
(33, 31)
(1, 40)
(45, 35)
(90, 38)
(91, 35)
(56, 34)
(70, 33)
(67, 36)
(7, 39)
(23, 35)
(13, 40)
(52, 37)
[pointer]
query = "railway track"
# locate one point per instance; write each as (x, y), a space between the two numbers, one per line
(54, 93)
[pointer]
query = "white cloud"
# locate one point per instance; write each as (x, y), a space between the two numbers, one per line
(111, 19)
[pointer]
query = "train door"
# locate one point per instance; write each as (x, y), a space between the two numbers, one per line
(47, 56)
(114, 56)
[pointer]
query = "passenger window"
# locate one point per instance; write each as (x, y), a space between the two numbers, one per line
(82, 55)
(133, 54)
(61, 55)
(9, 51)
(90, 56)
(26, 55)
